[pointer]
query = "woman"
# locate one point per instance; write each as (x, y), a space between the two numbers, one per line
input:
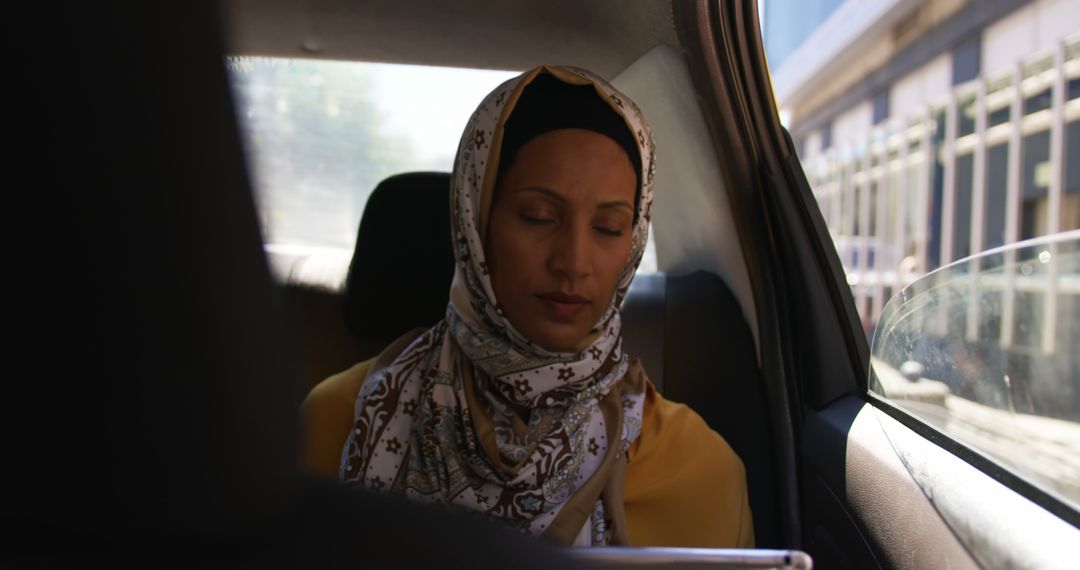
(521, 403)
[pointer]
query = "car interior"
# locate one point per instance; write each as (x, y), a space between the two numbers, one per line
(160, 353)
(670, 317)
(669, 321)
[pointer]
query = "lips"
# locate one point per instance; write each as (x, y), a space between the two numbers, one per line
(564, 306)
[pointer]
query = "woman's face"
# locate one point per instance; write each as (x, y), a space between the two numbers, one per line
(559, 233)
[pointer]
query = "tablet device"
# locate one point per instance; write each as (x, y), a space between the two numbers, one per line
(711, 558)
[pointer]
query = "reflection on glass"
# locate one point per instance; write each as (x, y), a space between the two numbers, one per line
(945, 352)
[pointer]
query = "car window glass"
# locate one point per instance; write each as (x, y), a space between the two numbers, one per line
(929, 131)
(985, 350)
(320, 135)
(932, 133)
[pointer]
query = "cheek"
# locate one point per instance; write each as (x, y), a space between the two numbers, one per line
(507, 254)
(614, 263)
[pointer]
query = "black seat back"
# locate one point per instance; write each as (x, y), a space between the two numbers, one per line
(398, 278)
(400, 274)
(694, 342)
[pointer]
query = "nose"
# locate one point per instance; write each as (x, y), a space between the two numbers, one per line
(571, 256)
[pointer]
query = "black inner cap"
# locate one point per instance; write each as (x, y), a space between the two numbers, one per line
(548, 104)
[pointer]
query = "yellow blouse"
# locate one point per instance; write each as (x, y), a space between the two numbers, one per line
(684, 484)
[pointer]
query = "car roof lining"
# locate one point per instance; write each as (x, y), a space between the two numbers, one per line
(604, 36)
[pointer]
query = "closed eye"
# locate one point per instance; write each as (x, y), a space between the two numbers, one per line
(608, 231)
(537, 220)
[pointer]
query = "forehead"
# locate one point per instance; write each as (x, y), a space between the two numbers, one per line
(568, 156)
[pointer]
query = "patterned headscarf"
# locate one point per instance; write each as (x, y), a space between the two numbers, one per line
(438, 422)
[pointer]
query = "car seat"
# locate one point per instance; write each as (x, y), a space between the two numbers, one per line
(402, 265)
(397, 279)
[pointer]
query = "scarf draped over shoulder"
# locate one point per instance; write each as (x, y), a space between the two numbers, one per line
(471, 413)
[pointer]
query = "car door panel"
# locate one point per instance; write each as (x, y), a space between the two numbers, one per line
(999, 526)
(854, 464)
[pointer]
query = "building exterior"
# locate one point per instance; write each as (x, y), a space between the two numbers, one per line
(932, 130)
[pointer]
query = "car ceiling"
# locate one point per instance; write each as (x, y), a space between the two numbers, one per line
(604, 36)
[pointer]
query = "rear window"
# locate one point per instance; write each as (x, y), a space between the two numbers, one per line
(320, 135)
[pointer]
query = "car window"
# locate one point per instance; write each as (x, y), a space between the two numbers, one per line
(985, 350)
(941, 141)
(320, 135)
(929, 131)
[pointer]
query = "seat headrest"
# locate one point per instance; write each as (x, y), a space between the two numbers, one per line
(401, 269)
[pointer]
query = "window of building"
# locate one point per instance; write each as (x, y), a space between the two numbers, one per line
(881, 106)
(967, 60)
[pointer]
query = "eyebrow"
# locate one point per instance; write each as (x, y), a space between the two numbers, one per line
(560, 198)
